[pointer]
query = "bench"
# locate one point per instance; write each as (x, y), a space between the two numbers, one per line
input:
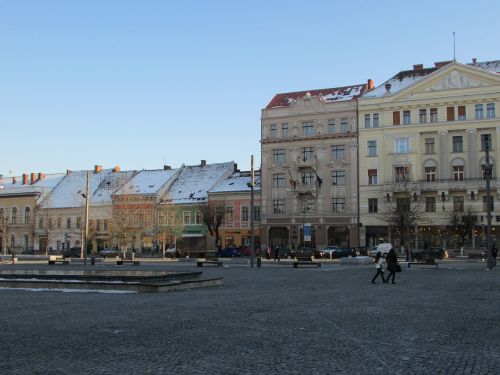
(477, 256)
(121, 262)
(214, 261)
(305, 261)
(424, 262)
(55, 259)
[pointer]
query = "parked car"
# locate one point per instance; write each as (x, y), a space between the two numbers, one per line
(229, 252)
(382, 248)
(305, 252)
(430, 253)
(71, 252)
(171, 251)
(245, 250)
(109, 252)
(334, 252)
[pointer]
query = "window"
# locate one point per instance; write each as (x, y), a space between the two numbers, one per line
(105, 225)
(278, 156)
(376, 122)
(486, 174)
(59, 223)
(338, 204)
(406, 117)
(458, 172)
(198, 218)
(229, 213)
(402, 174)
(256, 213)
(78, 222)
(244, 213)
(1, 215)
(98, 225)
(422, 116)
(485, 205)
(338, 178)
(490, 110)
(396, 118)
(308, 128)
(367, 120)
(486, 142)
(307, 153)
(479, 111)
(27, 215)
(402, 145)
(372, 148)
(461, 113)
(338, 152)
(450, 114)
(429, 145)
(331, 126)
(430, 204)
(278, 206)
(430, 174)
(51, 224)
(372, 177)
(403, 204)
(278, 180)
(458, 144)
(284, 130)
(272, 131)
(186, 217)
(434, 114)
(68, 223)
(344, 127)
(40, 223)
(458, 204)
(308, 178)
(372, 205)
(13, 218)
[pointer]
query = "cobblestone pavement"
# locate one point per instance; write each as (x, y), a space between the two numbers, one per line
(270, 320)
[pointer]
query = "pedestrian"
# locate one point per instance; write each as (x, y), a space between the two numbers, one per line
(379, 267)
(494, 253)
(268, 252)
(392, 265)
(277, 254)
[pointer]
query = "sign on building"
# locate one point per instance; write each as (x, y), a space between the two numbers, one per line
(307, 232)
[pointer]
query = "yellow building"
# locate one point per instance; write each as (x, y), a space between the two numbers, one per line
(424, 131)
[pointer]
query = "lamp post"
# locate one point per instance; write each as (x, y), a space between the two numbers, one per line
(251, 184)
(85, 231)
(487, 175)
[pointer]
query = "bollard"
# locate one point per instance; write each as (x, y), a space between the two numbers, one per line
(259, 262)
(92, 261)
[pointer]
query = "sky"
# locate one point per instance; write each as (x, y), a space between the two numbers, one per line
(140, 84)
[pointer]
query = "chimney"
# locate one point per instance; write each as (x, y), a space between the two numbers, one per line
(68, 172)
(33, 178)
(25, 179)
(97, 168)
(41, 176)
(388, 87)
(440, 64)
(167, 167)
(13, 180)
(474, 60)
(116, 169)
(418, 66)
(235, 168)
(371, 85)
(203, 163)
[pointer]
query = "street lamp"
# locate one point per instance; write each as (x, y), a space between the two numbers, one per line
(487, 175)
(85, 231)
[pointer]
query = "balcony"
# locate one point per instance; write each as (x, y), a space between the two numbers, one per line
(306, 188)
(441, 185)
(306, 162)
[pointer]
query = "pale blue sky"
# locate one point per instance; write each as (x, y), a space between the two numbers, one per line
(143, 83)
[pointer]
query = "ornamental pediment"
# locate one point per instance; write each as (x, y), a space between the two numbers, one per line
(456, 80)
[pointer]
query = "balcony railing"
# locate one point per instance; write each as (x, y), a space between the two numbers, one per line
(306, 162)
(441, 184)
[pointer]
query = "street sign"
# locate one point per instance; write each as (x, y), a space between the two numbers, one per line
(307, 232)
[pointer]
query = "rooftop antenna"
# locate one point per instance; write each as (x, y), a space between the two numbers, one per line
(454, 59)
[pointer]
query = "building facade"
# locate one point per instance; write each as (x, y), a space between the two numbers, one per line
(423, 135)
(310, 168)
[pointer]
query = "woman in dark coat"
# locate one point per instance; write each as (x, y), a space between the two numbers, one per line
(392, 264)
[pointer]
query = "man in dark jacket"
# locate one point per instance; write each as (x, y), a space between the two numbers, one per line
(392, 264)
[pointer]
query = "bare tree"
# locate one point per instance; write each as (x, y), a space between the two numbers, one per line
(213, 215)
(168, 223)
(3, 231)
(403, 214)
(462, 224)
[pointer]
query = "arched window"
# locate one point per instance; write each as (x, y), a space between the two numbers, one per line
(13, 219)
(483, 168)
(430, 169)
(458, 169)
(27, 215)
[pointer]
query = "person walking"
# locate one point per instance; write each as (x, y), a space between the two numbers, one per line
(379, 267)
(494, 253)
(268, 252)
(277, 254)
(392, 265)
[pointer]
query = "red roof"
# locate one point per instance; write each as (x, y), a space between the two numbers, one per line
(329, 95)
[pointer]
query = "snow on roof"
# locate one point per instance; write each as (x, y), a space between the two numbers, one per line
(407, 78)
(237, 182)
(328, 95)
(41, 186)
(68, 193)
(109, 184)
(147, 182)
(194, 182)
